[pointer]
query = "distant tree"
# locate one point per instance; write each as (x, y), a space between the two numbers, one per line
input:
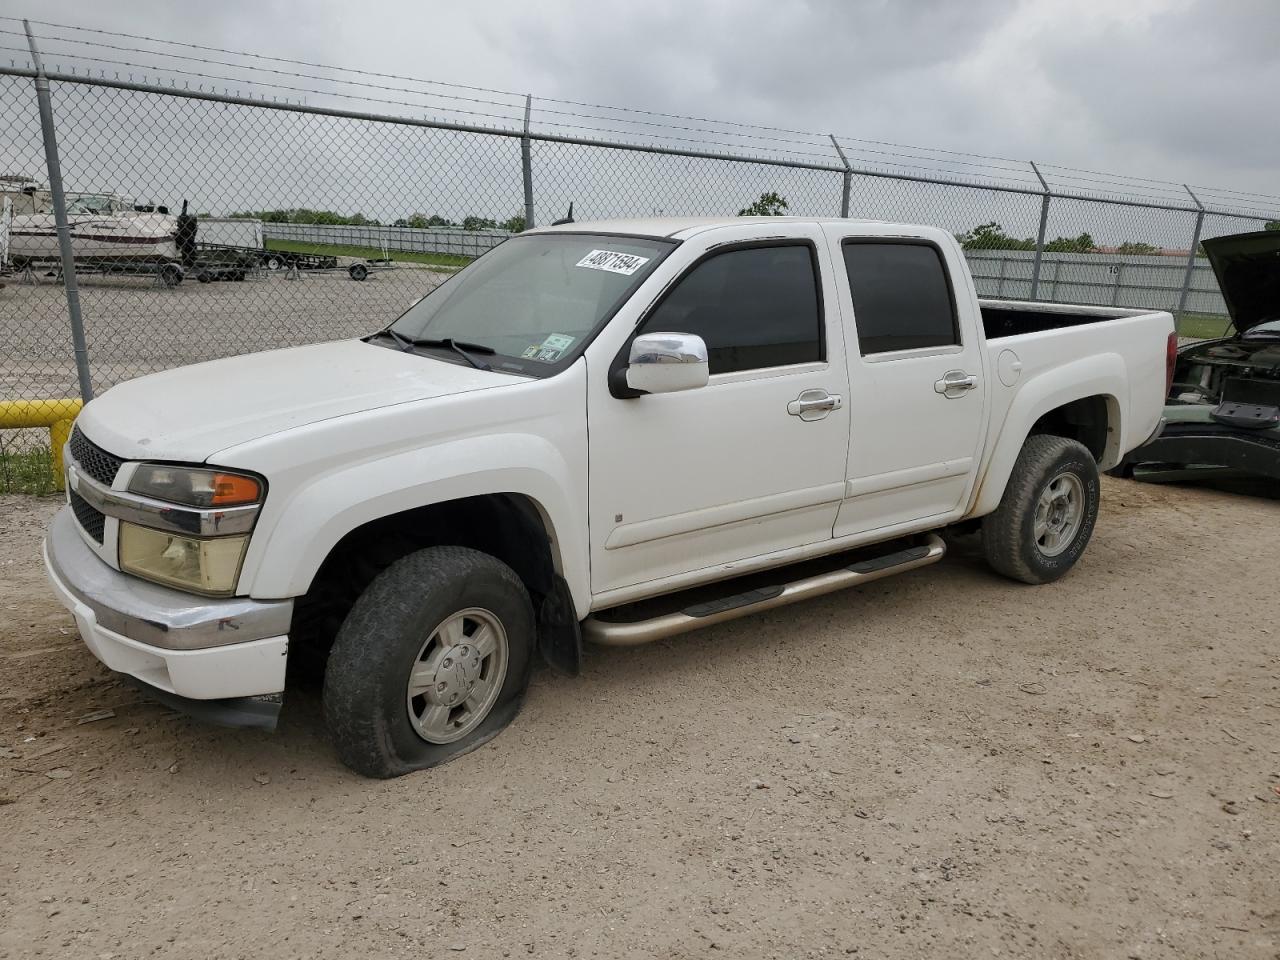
(514, 224)
(478, 223)
(307, 215)
(1137, 248)
(420, 221)
(1272, 225)
(991, 236)
(1081, 244)
(768, 205)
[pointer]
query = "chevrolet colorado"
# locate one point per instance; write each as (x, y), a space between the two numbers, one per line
(615, 432)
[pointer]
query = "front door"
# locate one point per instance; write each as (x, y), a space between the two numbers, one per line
(685, 485)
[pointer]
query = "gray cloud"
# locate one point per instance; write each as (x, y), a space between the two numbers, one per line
(1177, 89)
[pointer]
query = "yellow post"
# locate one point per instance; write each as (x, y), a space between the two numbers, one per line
(59, 434)
(56, 414)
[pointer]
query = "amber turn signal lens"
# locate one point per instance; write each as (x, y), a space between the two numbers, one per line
(231, 489)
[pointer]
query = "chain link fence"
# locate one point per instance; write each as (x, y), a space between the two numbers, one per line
(364, 214)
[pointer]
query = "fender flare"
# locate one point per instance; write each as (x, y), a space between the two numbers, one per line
(1092, 376)
(284, 558)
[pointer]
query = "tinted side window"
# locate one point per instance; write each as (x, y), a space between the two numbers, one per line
(901, 297)
(755, 308)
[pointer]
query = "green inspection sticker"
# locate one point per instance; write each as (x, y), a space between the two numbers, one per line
(550, 350)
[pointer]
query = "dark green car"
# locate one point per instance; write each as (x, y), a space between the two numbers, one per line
(1223, 411)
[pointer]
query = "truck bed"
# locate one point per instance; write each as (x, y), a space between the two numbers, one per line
(1009, 318)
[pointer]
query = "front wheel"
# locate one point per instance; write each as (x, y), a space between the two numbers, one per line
(432, 661)
(1048, 511)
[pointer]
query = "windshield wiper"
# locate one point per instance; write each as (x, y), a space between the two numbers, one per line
(460, 348)
(405, 342)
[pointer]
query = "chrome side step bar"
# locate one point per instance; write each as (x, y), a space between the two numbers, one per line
(629, 634)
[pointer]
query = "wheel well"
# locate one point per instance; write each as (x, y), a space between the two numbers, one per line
(507, 526)
(1088, 420)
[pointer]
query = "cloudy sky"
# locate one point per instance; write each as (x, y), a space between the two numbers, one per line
(1178, 90)
(1175, 89)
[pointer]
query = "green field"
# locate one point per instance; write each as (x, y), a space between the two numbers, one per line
(443, 260)
(26, 471)
(1200, 326)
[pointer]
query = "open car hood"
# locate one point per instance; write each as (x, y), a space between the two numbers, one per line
(1248, 269)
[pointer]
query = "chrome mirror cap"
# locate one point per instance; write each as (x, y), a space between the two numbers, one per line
(667, 362)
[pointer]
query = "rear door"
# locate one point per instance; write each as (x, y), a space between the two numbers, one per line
(916, 370)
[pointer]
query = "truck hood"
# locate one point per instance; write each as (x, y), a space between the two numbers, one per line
(190, 413)
(1248, 269)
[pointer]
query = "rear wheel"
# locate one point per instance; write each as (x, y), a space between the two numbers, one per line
(1047, 514)
(432, 661)
(358, 271)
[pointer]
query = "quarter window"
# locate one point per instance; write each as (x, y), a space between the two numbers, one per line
(754, 307)
(901, 296)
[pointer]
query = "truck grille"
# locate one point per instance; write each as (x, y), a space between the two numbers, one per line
(87, 516)
(93, 460)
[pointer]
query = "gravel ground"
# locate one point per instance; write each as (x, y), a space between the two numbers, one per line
(134, 326)
(944, 764)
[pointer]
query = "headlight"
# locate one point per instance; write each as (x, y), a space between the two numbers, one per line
(195, 486)
(209, 566)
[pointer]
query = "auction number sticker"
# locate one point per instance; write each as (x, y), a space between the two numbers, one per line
(623, 263)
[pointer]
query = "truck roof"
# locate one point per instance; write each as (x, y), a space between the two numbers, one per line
(681, 228)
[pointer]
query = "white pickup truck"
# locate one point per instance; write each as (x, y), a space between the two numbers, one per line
(615, 431)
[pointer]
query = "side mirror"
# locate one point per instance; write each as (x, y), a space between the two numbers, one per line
(667, 362)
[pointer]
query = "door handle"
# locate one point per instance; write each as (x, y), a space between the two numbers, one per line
(814, 404)
(955, 383)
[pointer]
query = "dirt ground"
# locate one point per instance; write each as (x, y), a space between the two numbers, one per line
(944, 764)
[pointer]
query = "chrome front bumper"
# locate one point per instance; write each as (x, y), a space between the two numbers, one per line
(189, 646)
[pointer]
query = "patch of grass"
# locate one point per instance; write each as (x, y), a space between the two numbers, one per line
(27, 471)
(1201, 326)
(369, 253)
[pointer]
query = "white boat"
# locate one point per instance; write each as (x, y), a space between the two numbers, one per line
(105, 228)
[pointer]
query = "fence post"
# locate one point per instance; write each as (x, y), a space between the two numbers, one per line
(526, 164)
(60, 220)
(848, 176)
(1044, 223)
(1191, 257)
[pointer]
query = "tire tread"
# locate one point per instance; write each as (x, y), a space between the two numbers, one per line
(1003, 530)
(356, 672)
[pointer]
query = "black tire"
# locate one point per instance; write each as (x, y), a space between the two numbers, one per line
(358, 271)
(170, 275)
(366, 679)
(273, 263)
(1008, 535)
(204, 276)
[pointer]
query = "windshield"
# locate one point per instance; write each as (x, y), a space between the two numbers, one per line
(1267, 330)
(534, 301)
(89, 204)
